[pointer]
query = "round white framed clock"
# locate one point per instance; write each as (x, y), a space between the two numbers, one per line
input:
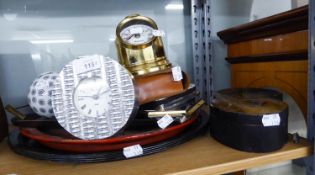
(94, 97)
(91, 97)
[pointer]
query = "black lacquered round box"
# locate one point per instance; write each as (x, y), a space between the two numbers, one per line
(253, 122)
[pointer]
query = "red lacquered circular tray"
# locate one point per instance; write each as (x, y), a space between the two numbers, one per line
(110, 144)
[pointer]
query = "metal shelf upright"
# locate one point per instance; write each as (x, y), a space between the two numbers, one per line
(203, 62)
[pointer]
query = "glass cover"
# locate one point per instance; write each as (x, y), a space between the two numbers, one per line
(43, 35)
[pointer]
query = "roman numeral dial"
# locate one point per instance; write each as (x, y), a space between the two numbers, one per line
(91, 97)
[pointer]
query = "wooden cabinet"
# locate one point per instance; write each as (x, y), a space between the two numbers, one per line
(271, 52)
(288, 76)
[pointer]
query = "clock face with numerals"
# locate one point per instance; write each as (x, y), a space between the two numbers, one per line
(137, 34)
(94, 97)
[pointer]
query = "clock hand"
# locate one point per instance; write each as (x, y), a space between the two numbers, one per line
(99, 91)
(86, 96)
(128, 38)
(104, 92)
(137, 35)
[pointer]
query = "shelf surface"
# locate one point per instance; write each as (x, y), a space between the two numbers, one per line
(202, 155)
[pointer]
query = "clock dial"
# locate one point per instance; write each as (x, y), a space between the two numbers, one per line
(137, 34)
(91, 97)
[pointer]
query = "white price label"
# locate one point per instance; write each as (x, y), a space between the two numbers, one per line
(183, 119)
(158, 33)
(271, 120)
(177, 73)
(86, 64)
(136, 30)
(165, 121)
(133, 151)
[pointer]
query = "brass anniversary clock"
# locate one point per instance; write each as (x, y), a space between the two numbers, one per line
(139, 45)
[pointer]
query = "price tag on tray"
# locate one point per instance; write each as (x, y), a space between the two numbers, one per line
(165, 121)
(133, 151)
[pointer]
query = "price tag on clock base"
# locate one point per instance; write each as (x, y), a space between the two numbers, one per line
(177, 73)
(158, 33)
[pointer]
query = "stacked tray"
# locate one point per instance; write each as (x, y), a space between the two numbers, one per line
(24, 145)
(60, 141)
(43, 138)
